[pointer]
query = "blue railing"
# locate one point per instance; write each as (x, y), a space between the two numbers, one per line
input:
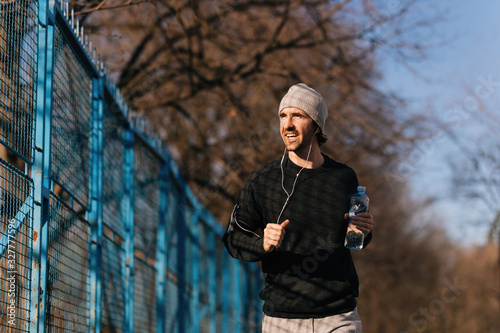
(99, 231)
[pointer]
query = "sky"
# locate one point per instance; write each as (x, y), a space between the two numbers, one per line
(452, 76)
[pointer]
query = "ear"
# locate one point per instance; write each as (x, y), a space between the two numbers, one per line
(317, 128)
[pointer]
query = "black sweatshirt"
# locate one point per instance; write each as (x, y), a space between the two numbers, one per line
(311, 274)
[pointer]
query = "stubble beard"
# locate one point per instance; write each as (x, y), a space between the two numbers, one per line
(301, 148)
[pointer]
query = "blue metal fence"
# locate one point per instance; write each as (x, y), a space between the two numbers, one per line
(98, 230)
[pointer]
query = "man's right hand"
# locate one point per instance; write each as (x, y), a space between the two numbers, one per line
(273, 235)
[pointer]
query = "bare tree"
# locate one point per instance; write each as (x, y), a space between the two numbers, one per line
(209, 76)
(478, 179)
(476, 170)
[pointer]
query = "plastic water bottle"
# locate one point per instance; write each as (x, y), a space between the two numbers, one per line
(359, 204)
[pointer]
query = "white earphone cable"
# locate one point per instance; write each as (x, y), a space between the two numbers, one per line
(288, 196)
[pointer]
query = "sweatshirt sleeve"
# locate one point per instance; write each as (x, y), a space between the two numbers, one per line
(244, 233)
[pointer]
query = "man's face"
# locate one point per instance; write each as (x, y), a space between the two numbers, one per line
(296, 129)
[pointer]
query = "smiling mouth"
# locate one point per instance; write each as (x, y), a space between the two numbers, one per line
(291, 136)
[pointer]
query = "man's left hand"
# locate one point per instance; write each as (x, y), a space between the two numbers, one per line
(363, 221)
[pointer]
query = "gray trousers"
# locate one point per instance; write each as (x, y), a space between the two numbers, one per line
(348, 322)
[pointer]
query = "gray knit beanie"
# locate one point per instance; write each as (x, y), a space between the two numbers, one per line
(308, 100)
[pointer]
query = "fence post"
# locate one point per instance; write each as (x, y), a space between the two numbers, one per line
(41, 168)
(181, 260)
(257, 286)
(237, 301)
(128, 214)
(212, 280)
(161, 248)
(95, 214)
(195, 262)
(226, 282)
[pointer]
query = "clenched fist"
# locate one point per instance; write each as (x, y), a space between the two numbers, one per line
(273, 235)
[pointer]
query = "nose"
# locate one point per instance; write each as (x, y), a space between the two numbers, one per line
(287, 123)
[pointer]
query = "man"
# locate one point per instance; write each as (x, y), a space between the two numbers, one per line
(292, 215)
